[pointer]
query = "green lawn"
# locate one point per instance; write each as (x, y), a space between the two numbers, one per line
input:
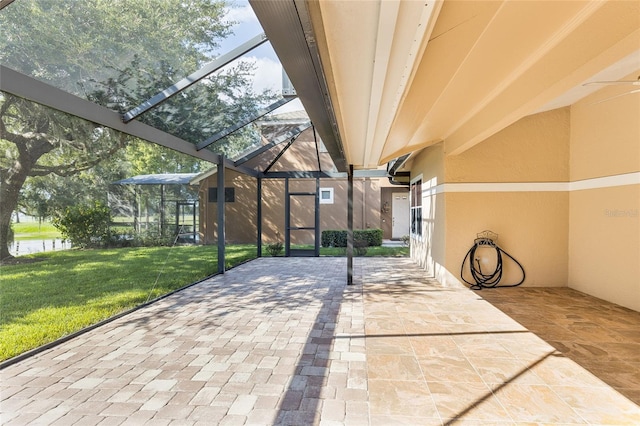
(376, 251)
(371, 251)
(69, 290)
(34, 231)
(66, 291)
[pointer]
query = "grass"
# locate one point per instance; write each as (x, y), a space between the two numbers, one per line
(65, 291)
(375, 251)
(68, 290)
(371, 251)
(34, 231)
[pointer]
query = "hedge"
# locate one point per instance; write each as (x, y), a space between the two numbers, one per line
(338, 238)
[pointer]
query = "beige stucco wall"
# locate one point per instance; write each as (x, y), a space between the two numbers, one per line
(605, 133)
(532, 227)
(429, 250)
(604, 232)
(561, 188)
(534, 149)
(604, 246)
(532, 223)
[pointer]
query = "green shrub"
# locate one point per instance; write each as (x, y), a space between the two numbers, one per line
(360, 245)
(275, 249)
(338, 238)
(373, 237)
(85, 225)
(333, 238)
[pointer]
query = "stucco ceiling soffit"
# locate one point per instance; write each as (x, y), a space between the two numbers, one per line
(409, 149)
(413, 27)
(368, 63)
(347, 48)
(507, 47)
(488, 64)
(388, 15)
(604, 37)
(458, 27)
(511, 57)
(627, 68)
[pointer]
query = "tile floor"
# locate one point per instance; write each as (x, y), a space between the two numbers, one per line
(285, 341)
(438, 355)
(602, 337)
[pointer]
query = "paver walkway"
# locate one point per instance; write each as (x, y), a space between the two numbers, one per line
(285, 341)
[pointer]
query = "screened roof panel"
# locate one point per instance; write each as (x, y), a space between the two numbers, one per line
(273, 127)
(234, 94)
(123, 54)
(132, 48)
(159, 179)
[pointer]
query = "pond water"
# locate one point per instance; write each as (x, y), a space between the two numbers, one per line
(20, 248)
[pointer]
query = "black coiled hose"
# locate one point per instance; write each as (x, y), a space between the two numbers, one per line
(483, 279)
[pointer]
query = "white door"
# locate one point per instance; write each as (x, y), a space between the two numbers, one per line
(400, 214)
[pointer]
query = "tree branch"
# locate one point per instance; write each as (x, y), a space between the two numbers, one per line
(66, 170)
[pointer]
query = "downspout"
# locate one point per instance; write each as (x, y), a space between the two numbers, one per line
(393, 167)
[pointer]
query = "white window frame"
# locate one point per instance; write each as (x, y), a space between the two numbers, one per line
(326, 200)
(415, 207)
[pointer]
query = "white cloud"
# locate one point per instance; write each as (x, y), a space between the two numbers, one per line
(241, 12)
(245, 25)
(294, 105)
(268, 73)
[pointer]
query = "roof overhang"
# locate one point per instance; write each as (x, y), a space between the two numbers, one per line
(403, 75)
(288, 26)
(159, 179)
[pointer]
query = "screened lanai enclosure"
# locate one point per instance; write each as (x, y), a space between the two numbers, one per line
(160, 204)
(83, 85)
(94, 93)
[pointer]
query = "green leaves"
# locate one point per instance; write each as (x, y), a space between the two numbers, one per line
(71, 42)
(117, 54)
(85, 225)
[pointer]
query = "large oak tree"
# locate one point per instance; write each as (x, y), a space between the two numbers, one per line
(116, 53)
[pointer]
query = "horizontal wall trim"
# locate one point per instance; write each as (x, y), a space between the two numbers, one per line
(579, 185)
(606, 182)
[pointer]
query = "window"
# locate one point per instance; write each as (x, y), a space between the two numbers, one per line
(416, 208)
(326, 195)
(229, 195)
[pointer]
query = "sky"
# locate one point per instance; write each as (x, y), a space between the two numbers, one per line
(268, 68)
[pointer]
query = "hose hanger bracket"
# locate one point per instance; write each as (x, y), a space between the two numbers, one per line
(478, 254)
(487, 238)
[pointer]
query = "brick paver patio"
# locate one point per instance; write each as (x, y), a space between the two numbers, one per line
(285, 341)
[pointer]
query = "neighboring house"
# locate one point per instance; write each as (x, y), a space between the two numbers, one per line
(377, 202)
